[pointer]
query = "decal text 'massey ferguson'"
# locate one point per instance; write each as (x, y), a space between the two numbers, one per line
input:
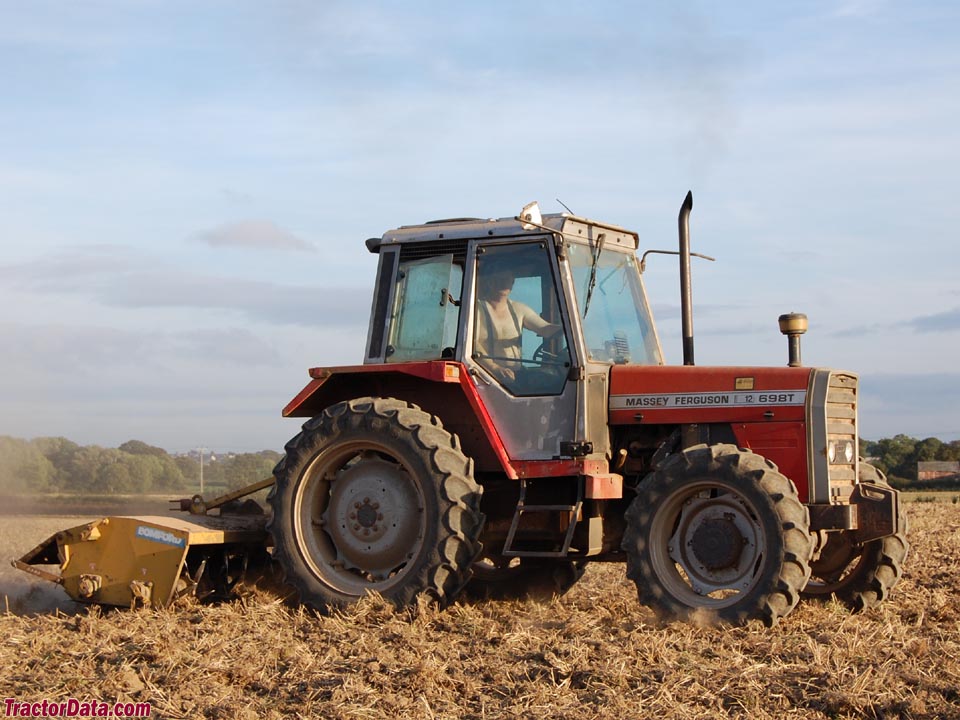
(666, 401)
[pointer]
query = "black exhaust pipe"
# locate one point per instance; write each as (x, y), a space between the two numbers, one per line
(686, 297)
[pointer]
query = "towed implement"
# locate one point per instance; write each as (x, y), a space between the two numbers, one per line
(514, 420)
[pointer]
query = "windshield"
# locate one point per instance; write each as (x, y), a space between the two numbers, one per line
(617, 325)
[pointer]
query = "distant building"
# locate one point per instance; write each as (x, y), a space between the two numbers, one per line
(935, 469)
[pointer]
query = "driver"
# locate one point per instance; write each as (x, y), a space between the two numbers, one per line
(500, 323)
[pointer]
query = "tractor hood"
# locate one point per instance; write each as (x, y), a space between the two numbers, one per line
(699, 394)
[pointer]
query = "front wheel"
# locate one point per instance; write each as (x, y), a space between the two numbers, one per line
(717, 533)
(374, 495)
(861, 576)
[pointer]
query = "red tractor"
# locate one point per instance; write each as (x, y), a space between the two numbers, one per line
(514, 420)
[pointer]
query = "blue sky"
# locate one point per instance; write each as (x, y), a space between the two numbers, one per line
(185, 188)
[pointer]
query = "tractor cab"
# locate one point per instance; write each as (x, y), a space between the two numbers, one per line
(537, 308)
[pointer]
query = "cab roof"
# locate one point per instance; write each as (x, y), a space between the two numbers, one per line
(570, 226)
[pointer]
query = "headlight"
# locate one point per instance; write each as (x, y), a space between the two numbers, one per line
(840, 451)
(848, 453)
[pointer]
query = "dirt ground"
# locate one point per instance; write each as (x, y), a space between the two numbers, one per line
(595, 653)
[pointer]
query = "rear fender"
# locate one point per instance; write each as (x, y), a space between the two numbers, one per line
(440, 387)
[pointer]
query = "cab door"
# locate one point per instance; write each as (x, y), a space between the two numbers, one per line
(517, 347)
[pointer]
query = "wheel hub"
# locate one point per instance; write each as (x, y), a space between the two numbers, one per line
(717, 543)
(373, 517)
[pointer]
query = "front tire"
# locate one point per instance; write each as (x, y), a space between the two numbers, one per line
(374, 495)
(716, 533)
(860, 576)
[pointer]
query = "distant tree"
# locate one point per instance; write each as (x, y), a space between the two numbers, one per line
(189, 468)
(926, 450)
(170, 477)
(949, 451)
(23, 467)
(138, 447)
(83, 470)
(114, 477)
(894, 456)
(248, 468)
(868, 448)
(59, 451)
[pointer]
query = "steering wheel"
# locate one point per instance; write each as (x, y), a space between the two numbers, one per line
(543, 357)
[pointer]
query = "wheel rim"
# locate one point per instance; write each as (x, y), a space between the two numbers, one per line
(708, 545)
(359, 518)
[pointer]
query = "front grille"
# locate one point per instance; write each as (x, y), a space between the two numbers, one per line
(841, 426)
(831, 419)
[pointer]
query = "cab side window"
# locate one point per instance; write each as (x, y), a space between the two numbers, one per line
(519, 336)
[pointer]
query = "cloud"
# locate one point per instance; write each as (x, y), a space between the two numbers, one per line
(254, 234)
(947, 321)
(942, 322)
(118, 277)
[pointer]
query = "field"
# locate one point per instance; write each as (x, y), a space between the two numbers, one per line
(593, 654)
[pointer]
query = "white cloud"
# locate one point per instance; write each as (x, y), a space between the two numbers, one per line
(254, 234)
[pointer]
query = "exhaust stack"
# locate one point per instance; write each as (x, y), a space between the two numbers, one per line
(793, 325)
(686, 296)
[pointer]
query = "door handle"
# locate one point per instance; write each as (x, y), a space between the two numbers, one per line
(477, 375)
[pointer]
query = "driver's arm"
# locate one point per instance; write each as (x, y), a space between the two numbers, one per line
(530, 320)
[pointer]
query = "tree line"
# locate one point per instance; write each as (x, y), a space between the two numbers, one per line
(55, 464)
(898, 456)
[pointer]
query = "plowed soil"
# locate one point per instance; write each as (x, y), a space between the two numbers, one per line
(594, 653)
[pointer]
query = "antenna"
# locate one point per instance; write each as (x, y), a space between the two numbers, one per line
(565, 206)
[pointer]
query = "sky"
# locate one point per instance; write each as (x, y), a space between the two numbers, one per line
(185, 188)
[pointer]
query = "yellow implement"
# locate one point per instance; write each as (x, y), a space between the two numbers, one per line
(148, 560)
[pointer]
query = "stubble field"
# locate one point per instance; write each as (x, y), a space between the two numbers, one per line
(595, 653)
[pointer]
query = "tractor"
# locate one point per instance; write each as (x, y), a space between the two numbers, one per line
(514, 420)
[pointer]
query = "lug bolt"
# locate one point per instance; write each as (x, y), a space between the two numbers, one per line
(356, 526)
(379, 516)
(353, 516)
(376, 506)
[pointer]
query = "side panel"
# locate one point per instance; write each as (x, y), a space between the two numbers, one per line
(783, 443)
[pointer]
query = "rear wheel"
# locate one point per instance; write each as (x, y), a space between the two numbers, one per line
(374, 495)
(719, 534)
(860, 575)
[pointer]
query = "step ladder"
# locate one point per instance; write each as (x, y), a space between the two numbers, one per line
(534, 547)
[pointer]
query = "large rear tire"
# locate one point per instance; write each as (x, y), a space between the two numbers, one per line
(860, 575)
(374, 495)
(716, 533)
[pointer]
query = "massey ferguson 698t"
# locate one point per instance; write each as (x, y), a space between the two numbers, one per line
(513, 420)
